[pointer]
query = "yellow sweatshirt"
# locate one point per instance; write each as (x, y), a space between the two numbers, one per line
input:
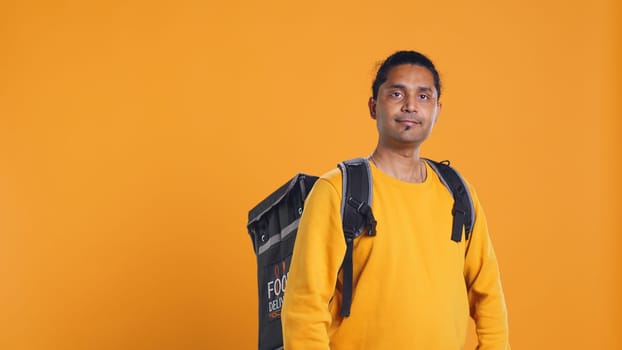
(414, 287)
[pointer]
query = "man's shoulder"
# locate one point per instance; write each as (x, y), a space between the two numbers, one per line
(332, 177)
(436, 166)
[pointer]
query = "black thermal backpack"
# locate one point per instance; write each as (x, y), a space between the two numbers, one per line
(273, 224)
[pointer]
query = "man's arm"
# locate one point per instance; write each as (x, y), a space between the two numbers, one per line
(318, 254)
(483, 282)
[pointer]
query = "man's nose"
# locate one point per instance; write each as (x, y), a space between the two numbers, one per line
(410, 104)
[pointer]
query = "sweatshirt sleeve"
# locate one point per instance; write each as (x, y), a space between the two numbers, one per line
(486, 300)
(316, 260)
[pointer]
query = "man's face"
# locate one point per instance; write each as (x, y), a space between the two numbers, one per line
(406, 107)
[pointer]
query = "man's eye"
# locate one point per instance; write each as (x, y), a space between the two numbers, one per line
(424, 97)
(396, 94)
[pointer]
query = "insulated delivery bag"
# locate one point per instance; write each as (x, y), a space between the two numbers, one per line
(273, 225)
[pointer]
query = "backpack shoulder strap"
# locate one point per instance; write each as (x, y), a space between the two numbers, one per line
(356, 216)
(356, 197)
(463, 213)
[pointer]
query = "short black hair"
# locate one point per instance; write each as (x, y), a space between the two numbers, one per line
(404, 57)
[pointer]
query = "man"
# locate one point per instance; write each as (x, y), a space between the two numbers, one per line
(414, 288)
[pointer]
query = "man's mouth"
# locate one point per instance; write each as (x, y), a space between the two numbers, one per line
(408, 122)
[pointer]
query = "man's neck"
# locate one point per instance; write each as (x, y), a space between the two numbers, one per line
(403, 164)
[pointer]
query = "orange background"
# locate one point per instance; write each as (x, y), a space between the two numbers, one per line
(135, 136)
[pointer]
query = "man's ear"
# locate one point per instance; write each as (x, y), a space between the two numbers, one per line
(372, 107)
(438, 111)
